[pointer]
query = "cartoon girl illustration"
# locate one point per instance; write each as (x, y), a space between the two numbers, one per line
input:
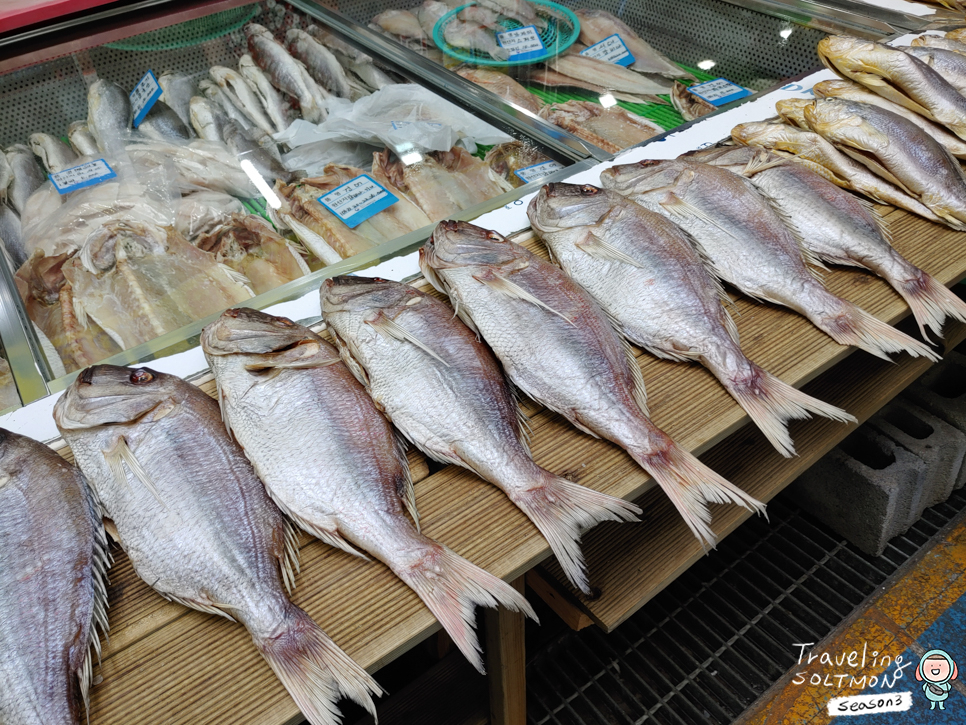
(936, 670)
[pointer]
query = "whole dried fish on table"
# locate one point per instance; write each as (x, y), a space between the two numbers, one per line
(315, 225)
(854, 92)
(441, 182)
(897, 76)
(749, 245)
(27, 176)
(177, 91)
(275, 106)
(557, 345)
(611, 129)
(444, 390)
(321, 64)
(949, 64)
(251, 246)
(951, 44)
(53, 563)
(139, 281)
(163, 124)
(507, 158)
(241, 94)
(197, 523)
(823, 158)
(109, 113)
(646, 274)
(543, 76)
(467, 36)
(81, 139)
(897, 150)
(49, 302)
(608, 75)
(840, 228)
(502, 85)
(343, 477)
(54, 153)
(286, 73)
(689, 105)
(596, 25)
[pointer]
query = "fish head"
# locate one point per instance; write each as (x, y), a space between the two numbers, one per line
(792, 111)
(834, 88)
(42, 145)
(253, 29)
(845, 53)
(454, 245)
(842, 121)
(121, 240)
(115, 395)
(643, 176)
(246, 331)
(777, 136)
(364, 298)
(564, 206)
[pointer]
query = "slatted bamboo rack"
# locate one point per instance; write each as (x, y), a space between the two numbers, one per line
(165, 663)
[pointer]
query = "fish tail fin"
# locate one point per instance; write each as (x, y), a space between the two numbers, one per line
(314, 670)
(452, 587)
(561, 510)
(771, 403)
(691, 485)
(931, 302)
(851, 325)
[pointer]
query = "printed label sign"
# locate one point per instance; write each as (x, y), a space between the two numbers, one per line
(77, 177)
(357, 200)
(144, 95)
(523, 43)
(719, 91)
(538, 171)
(611, 50)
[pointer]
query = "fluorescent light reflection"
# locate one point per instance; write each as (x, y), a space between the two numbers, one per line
(706, 64)
(263, 188)
(607, 100)
(413, 157)
(785, 33)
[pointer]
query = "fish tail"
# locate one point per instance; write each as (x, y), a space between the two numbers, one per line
(561, 510)
(452, 587)
(314, 670)
(854, 326)
(770, 403)
(931, 302)
(691, 485)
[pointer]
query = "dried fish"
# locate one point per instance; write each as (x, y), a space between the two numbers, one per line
(611, 129)
(689, 105)
(208, 119)
(608, 75)
(162, 124)
(474, 38)
(177, 91)
(81, 139)
(502, 85)
(507, 158)
(286, 73)
(241, 94)
(551, 79)
(596, 25)
(277, 109)
(109, 113)
(321, 64)
(27, 176)
(54, 153)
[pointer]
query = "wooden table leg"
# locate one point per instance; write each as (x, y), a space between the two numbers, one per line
(506, 664)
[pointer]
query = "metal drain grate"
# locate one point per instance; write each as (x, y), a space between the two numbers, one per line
(710, 644)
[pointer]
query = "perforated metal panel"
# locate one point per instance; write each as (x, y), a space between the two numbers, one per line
(748, 47)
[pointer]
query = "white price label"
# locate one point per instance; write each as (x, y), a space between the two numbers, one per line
(357, 200)
(719, 91)
(77, 177)
(522, 43)
(538, 171)
(144, 95)
(611, 50)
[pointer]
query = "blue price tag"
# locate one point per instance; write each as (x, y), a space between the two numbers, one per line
(523, 43)
(719, 91)
(144, 95)
(611, 50)
(78, 177)
(537, 171)
(357, 200)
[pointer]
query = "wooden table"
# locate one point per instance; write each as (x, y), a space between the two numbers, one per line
(165, 663)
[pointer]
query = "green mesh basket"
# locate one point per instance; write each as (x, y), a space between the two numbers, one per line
(191, 32)
(562, 30)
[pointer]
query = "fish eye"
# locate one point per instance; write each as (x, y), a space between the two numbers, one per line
(589, 190)
(284, 322)
(141, 376)
(494, 236)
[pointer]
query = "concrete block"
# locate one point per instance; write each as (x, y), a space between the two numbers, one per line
(941, 446)
(866, 489)
(941, 391)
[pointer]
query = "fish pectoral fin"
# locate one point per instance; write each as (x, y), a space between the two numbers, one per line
(120, 454)
(391, 329)
(759, 163)
(326, 528)
(111, 528)
(604, 250)
(306, 355)
(510, 289)
(222, 397)
(405, 487)
(207, 607)
(683, 209)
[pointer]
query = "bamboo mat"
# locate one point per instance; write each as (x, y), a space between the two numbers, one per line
(168, 664)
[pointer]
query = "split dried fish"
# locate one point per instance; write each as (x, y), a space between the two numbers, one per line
(474, 38)
(596, 25)
(502, 85)
(205, 536)
(507, 158)
(444, 390)
(689, 105)
(608, 75)
(200, 212)
(611, 129)
(429, 13)
(552, 79)
(403, 24)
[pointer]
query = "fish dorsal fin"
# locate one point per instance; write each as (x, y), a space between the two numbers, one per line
(639, 391)
(600, 248)
(684, 209)
(510, 289)
(812, 262)
(221, 406)
(237, 277)
(120, 454)
(389, 328)
(406, 488)
(880, 222)
(526, 429)
(874, 165)
(100, 563)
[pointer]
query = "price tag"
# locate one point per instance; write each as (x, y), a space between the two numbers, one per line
(144, 95)
(78, 177)
(719, 91)
(357, 200)
(611, 49)
(537, 171)
(523, 43)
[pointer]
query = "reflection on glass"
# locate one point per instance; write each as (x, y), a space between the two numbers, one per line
(607, 100)
(706, 64)
(263, 188)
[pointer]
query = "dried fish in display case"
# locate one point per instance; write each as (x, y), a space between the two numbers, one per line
(152, 179)
(615, 74)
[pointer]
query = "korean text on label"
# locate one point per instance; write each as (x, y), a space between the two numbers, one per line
(357, 200)
(144, 95)
(719, 91)
(611, 50)
(78, 177)
(522, 43)
(538, 171)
